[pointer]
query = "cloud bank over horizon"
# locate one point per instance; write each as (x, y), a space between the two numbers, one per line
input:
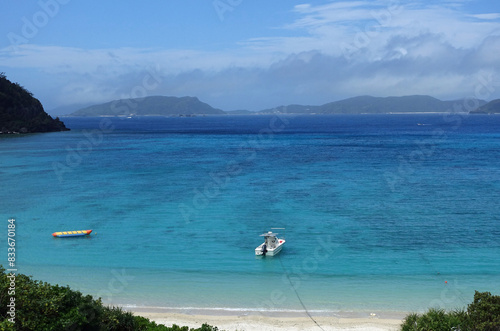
(319, 53)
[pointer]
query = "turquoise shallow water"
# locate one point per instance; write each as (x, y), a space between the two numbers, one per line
(382, 212)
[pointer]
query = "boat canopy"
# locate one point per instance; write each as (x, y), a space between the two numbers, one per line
(269, 234)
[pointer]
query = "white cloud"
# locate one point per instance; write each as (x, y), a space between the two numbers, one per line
(369, 26)
(302, 7)
(489, 16)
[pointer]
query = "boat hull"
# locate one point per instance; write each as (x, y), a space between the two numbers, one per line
(65, 234)
(270, 251)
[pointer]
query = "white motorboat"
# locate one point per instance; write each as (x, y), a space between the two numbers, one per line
(271, 246)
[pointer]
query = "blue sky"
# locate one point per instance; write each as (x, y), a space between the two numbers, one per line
(242, 54)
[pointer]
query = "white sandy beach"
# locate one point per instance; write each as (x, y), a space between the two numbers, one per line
(268, 323)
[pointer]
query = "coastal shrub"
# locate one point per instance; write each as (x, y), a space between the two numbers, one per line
(42, 306)
(484, 311)
(436, 320)
(482, 314)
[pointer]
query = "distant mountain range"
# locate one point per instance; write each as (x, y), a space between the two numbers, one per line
(187, 106)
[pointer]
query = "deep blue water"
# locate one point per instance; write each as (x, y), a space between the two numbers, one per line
(382, 212)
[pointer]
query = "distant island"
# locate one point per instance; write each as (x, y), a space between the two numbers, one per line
(492, 107)
(375, 105)
(192, 106)
(20, 112)
(151, 106)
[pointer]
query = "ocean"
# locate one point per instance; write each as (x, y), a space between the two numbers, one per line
(382, 213)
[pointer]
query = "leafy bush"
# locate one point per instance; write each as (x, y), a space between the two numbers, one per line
(41, 306)
(482, 314)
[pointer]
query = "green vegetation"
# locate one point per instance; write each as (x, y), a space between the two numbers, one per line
(482, 314)
(38, 305)
(21, 112)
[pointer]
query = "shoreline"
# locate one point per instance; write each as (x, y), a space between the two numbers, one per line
(252, 320)
(271, 114)
(266, 323)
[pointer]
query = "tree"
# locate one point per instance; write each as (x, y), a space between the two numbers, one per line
(41, 306)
